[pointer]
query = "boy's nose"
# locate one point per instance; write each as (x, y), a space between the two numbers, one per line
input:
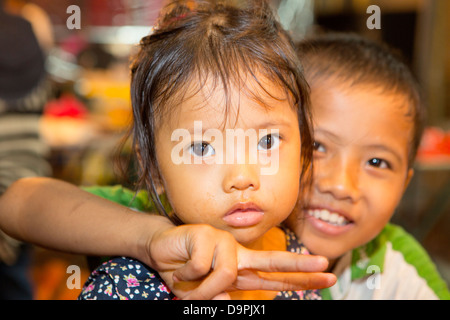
(340, 180)
(240, 177)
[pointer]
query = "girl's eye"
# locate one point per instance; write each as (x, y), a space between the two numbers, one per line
(379, 163)
(202, 149)
(318, 147)
(269, 142)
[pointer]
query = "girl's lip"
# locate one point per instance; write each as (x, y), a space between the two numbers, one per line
(244, 214)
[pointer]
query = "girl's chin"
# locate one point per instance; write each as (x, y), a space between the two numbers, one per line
(256, 238)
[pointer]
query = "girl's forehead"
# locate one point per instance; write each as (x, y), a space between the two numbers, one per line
(222, 105)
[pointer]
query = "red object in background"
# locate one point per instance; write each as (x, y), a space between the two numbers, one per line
(102, 12)
(435, 143)
(119, 12)
(66, 106)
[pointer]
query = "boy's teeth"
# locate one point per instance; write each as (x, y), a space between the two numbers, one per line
(330, 217)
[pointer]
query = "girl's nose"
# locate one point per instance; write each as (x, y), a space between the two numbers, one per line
(341, 180)
(239, 177)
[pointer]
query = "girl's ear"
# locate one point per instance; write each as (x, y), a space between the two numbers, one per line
(154, 172)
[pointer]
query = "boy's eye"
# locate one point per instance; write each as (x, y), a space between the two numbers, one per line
(202, 149)
(268, 142)
(318, 147)
(379, 163)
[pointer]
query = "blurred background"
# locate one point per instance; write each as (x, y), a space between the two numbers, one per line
(87, 107)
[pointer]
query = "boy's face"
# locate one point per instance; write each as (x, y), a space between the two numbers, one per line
(206, 185)
(362, 138)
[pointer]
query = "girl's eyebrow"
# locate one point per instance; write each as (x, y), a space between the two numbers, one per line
(267, 124)
(274, 123)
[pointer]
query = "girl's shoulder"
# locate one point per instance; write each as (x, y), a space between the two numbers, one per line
(293, 244)
(124, 278)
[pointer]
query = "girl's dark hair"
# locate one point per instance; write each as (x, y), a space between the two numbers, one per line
(222, 41)
(354, 60)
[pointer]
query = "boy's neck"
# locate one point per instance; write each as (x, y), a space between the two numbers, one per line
(331, 264)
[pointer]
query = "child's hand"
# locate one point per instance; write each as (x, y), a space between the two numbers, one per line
(201, 262)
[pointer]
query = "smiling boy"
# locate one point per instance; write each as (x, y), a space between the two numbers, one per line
(368, 119)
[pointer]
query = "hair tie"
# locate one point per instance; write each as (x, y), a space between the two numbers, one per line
(173, 16)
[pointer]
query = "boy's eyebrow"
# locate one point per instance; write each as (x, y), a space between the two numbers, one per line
(387, 149)
(378, 146)
(330, 135)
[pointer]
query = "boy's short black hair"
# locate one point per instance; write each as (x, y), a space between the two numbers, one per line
(355, 60)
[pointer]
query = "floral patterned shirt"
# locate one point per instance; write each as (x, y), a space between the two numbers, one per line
(124, 278)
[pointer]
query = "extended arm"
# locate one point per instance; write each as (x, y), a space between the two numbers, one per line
(58, 215)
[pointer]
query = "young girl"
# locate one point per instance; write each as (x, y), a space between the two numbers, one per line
(233, 70)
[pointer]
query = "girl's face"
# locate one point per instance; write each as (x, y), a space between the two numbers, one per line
(362, 138)
(211, 178)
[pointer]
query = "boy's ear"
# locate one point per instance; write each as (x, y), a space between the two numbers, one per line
(409, 176)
